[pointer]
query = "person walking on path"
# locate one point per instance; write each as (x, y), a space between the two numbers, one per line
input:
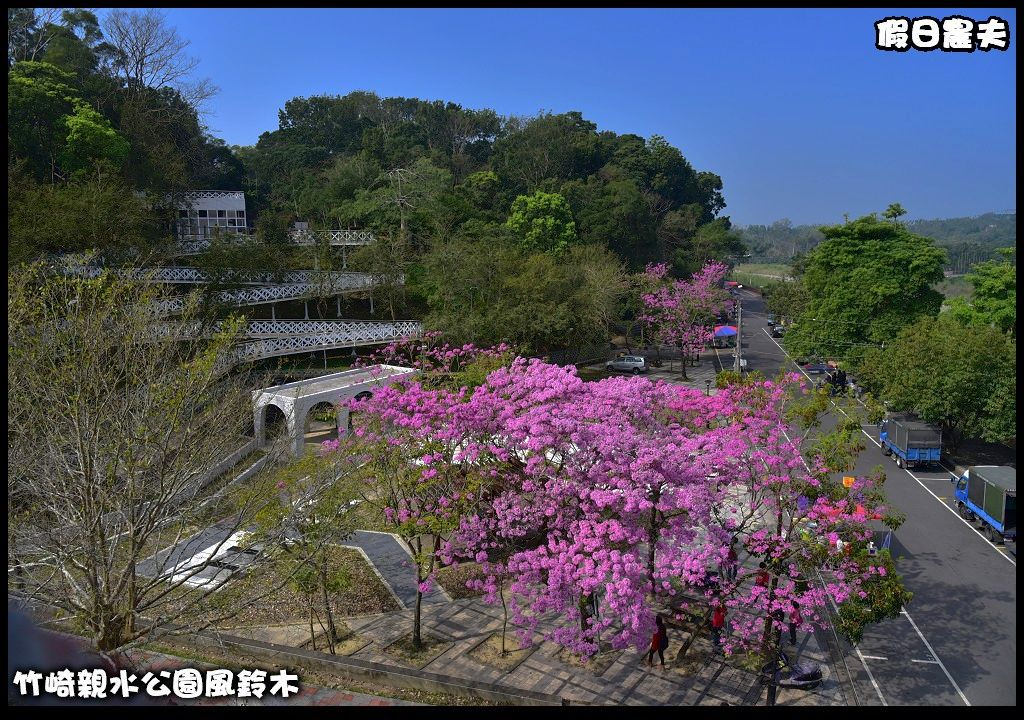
(717, 623)
(731, 562)
(794, 622)
(659, 641)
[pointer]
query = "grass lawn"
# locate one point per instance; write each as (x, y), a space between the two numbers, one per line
(453, 579)
(955, 287)
(408, 654)
(364, 594)
(590, 374)
(780, 269)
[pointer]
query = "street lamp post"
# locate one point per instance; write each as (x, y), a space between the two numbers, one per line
(708, 388)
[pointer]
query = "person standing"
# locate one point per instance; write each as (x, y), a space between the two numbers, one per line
(794, 622)
(659, 641)
(731, 562)
(717, 623)
(764, 577)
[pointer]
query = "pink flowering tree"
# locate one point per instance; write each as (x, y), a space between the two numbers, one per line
(612, 492)
(682, 313)
(788, 514)
(624, 491)
(441, 363)
(631, 491)
(423, 463)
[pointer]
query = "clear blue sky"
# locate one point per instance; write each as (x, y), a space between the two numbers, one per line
(795, 109)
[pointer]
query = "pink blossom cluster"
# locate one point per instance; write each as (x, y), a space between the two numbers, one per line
(624, 489)
(429, 353)
(682, 313)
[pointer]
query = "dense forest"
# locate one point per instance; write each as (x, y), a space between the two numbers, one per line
(516, 228)
(528, 230)
(967, 240)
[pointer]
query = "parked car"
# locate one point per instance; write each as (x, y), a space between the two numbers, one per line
(627, 363)
(816, 368)
(778, 331)
(770, 319)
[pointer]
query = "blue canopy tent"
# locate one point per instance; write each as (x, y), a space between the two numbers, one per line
(722, 332)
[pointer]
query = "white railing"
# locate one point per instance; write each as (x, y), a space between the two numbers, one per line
(194, 244)
(334, 237)
(273, 329)
(214, 195)
(366, 333)
(195, 276)
(275, 293)
(292, 328)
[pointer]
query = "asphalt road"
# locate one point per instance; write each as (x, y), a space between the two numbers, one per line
(956, 642)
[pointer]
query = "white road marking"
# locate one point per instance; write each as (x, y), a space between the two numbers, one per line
(903, 611)
(930, 662)
(916, 479)
(874, 657)
(937, 661)
(863, 660)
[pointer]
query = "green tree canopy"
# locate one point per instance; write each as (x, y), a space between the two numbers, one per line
(995, 294)
(91, 140)
(960, 377)
(894, 212)
(542, 221)
(865, 282)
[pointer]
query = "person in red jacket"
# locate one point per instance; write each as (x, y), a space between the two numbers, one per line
(717, 623)
(794, 622)
(659, 641)
(764, 578)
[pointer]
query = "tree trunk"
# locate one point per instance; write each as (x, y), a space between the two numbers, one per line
(504, 621)
(331, 632)
(312, 631)
(652, 539)
(417, 641)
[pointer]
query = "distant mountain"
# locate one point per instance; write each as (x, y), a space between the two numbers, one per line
(968, 240)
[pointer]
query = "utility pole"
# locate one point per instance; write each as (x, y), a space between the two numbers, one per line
(739, 331)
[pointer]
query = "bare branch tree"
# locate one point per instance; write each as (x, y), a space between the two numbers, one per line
(116, 438)
(29, 31)
(148, 53)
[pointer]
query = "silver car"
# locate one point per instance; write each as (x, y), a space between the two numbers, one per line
(627, 363)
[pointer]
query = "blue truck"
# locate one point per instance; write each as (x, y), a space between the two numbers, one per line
(910, 442)
(988, 493)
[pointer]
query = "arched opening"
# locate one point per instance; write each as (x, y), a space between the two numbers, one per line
(275, 424)
(321, 423)
(361, 396)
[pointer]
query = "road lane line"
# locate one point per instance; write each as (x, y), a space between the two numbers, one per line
(904, 610)
(876, 657)
(835, 609)
(937, 661)
(917, 480)
(930, 662)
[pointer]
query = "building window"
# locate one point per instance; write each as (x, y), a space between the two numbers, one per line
(202, 213)
(241, 213)
(183, 213)
(231, 222)
(221, 213)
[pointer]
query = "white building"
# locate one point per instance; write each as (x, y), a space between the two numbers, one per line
(205, 210)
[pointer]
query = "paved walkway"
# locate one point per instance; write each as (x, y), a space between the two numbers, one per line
(393, 563)
(697, 375)
(624, 678)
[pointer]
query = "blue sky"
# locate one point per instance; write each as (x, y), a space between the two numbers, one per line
(795, 109)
